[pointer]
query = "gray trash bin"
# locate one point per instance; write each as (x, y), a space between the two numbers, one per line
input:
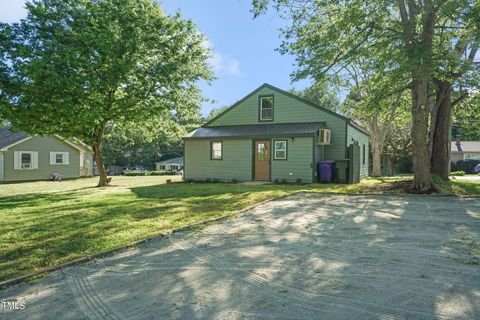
(341, 167)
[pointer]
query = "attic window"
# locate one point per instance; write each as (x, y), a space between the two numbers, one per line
(266, 108)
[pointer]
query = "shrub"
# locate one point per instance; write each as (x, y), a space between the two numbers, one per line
(283, 180)
(208, 179)
(136, 173)
(299, 180)
(457, 173)
(405, 164)
(465, 165)
(169, 180)
(155, 173)
(234, 180)
(276, 180)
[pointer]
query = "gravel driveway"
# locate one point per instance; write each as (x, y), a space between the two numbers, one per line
(308, 256)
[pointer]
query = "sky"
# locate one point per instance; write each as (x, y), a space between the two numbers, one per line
(243, 48)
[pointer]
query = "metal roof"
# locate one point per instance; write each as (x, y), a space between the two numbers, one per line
(178, 160)
(466, 146)
(8, 137)
(256, 130)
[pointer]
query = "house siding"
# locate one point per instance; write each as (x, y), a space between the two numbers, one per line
(1, 166)
(236, 162)
(42, 145)
(288, 110)
(299, 163)
(357, 135)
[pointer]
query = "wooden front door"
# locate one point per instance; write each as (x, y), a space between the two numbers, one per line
(262, 160)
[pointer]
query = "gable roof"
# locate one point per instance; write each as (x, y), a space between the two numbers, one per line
(178, 160)
(10, 138)
(256, 130)
(7, 137)
(293, 96)
(465, 146)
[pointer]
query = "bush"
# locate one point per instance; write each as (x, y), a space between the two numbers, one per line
(465, 165)
(136, 173)
(234, 180)
(405, 164)
(150, 173)
(299, 180)
(457, 173)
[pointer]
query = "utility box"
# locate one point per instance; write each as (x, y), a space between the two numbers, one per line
(341, 167)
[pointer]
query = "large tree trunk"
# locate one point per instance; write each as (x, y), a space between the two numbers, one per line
(441, 135)
(422, 179)
(390, 165)
(97, 147)
(377, 147)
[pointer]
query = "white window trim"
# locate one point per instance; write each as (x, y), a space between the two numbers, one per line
(261, 108)
(275, 150)
(213, 153)
(17, 158)
(53, 158)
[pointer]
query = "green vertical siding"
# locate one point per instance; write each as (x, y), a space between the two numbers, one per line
(1, 166)
(299, 161)
(362, 138)
(288, 110)
(236, 162)
(42, 145)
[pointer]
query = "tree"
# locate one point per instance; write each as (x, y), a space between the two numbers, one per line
(321, 93)
(156, 139)
(215, 112)
(457, 48)
(466, 120)
(326, 37)
(75, 67)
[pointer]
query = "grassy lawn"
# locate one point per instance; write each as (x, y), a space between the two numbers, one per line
(48, 223)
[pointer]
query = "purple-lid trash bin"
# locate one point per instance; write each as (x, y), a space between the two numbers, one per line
(325, 170)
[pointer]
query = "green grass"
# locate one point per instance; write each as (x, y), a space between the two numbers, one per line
(48, 223)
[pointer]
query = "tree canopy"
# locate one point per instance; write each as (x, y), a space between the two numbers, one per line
(74, 67)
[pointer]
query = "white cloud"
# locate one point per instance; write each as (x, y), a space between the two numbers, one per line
(222, 64)
(12, 10)
(234, 68)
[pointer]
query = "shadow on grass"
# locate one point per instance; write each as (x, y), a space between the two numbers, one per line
(43, 230)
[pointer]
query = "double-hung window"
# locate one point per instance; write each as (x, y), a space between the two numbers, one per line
(26, 160)
(217, 150)
(58, 158)
(280, 150)
(266, 108)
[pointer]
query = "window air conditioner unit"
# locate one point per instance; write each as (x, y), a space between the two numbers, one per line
(323, 136)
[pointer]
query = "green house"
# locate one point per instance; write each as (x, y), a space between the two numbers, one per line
(29, 158)
(271, 135)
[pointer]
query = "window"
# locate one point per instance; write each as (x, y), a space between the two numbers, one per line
(174, 168)
(26, 160)
(364, 155)
(57, 157)
(162, 167)
(217, 152)
(280, 150)
(266, 108)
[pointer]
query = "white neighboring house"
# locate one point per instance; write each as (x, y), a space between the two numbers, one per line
(465, 150)
(175, 164)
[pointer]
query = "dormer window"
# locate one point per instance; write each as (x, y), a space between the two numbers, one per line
(266, 108)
